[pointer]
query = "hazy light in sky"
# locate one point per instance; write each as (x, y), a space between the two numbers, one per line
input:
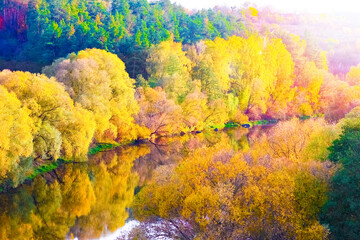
(311, 6)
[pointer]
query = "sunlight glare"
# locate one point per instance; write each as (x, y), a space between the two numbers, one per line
(310, 6)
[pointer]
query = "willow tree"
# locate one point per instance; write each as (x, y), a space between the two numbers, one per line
(60, 128)
(97, 80)
(15, 132)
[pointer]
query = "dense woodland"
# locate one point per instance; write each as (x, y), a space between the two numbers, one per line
(124, 71)
(39, 31)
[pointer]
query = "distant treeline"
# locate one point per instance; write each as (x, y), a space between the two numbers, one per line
(43, 30)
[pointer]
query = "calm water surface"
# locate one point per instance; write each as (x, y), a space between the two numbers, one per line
(92, 199)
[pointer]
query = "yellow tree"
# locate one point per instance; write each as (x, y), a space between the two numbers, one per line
(157, 113)
(258, 72)
(353, 76)
(208, 77)
(16, 139)
(297, 140)
(54, 116)
(217, 113)
(215, 193)
(308, 81)
(280, 64)
(310, 65)
(97, 80)
(219, 58)
(249, 76)
(169, 68)
(295, 45)
(194, 109)
(337, 97)
(77, 131)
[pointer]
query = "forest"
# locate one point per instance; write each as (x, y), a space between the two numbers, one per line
(76, 75)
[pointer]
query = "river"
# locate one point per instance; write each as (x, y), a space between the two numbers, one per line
(91, 200)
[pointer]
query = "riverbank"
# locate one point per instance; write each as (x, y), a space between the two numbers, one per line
(101, 147)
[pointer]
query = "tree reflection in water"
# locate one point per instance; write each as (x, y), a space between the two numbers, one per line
(84, 200)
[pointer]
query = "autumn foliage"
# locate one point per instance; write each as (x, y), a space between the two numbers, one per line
(216, 192)
(273, 188)
(88, 96)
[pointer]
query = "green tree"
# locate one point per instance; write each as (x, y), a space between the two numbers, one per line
(342, 211)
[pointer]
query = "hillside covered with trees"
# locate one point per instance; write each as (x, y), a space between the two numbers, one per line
(42, 31)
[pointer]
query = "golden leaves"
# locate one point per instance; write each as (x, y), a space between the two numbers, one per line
(169, 68)
(97, 80)
(15, 132)
(260, 195)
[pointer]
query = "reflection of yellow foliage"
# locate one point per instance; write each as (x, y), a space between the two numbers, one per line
(114, 184)
(14, 229)
(77, 192)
